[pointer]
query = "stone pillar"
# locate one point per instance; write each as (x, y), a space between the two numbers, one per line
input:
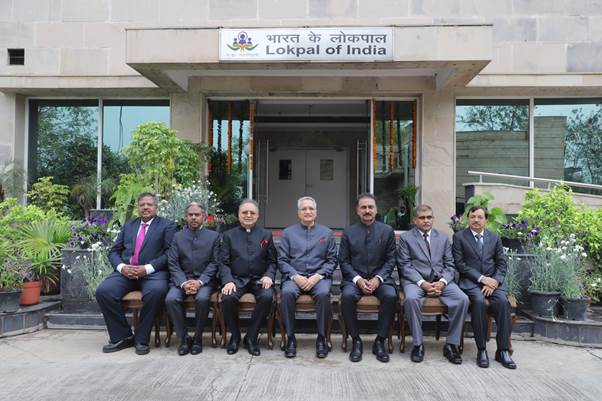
(437, 156)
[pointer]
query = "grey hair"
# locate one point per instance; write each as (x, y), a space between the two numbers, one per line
(248, 200)
(422, 208)
(306, 198)
(194, 204)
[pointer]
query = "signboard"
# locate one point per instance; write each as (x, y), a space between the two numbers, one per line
(306, 44)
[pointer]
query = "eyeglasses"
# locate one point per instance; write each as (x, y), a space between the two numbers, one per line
(425, 217)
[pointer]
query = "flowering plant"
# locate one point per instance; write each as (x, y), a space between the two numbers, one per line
(457, 223)
(94, 268)
(94, 229)
(559, 268)
(519, 230)
(173, 208)
(592, 285)
(14, 271)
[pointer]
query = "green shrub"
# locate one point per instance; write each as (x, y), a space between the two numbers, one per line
(47, 195)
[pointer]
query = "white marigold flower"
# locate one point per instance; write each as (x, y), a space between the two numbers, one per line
(583, 254)
(69, 271)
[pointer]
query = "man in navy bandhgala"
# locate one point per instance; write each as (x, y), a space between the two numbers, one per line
(139, 257)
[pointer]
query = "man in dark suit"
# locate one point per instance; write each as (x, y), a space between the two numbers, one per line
(139, 257)
(307, 257)
(193, 265)
(247, 264)
(480, 259)
(427, 270)
(367, 260)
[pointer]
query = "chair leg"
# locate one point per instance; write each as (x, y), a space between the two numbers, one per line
(135, 318)
(158, 329)
(390, 339)
(281, 325)
(438, 327)
(343, 333)
(270, 328)
(512, 329)
(169, 331)
(461, 347)
(329, 331)
(222, 324)
(489, 327)
(214, 319)
(402, 331)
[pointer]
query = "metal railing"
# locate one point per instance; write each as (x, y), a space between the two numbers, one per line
(532, 180)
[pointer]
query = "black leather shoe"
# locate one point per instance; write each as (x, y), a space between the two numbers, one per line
(142, 349)
(119, 345)
(503, 357)
(450, 351)
(197, 346)
(418, 353)
(251, 346)
(233, 344)
(290, 351)
(378, 349)
(185, 344)
(321, 347)
(482, 358)
(357, 349)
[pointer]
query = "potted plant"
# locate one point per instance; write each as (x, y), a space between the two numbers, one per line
(495, 216)
(546, 269)
(572, 294)
(11, 281)
(514, 235)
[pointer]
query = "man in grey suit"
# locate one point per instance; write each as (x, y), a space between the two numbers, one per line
(367, 259)
(427, 269)
(479, 257)
(193, 265)
(307, 257)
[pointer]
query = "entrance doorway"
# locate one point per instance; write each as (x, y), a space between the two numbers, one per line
(319, 173)
(314, 148)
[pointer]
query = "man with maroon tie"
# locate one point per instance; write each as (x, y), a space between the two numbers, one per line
(139, 257)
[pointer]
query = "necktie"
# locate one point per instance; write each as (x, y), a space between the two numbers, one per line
(139, 241)
(479, 242)
(426, 241)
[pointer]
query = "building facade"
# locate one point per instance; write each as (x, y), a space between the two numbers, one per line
(386, 96)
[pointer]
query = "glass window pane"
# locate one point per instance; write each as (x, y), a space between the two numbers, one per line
(63, 144)
(228, 172)
(394, 174)
(568, 140)
(491, 136)
(285, 170)
(120, 118)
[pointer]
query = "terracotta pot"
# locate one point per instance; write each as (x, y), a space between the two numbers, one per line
(30, 293)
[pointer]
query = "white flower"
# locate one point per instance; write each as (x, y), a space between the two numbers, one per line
(69, 271)
(563, 257)
(63, 267)
(77, 257)
(583, 254)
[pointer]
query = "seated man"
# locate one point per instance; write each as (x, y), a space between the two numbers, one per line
(247, 264)
(367, 259)
(307, 258)
(193, 265)
(426, 268)
(479, 257)
(139, 256)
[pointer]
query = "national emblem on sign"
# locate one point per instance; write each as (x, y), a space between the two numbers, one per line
(242, 42)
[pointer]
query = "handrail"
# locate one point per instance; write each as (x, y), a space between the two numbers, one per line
(533, 179)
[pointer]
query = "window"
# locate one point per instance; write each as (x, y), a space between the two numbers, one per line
(120, 118)
(395, 160)
(491, 136)
(63, 143)
(16, 56)
(568, 140)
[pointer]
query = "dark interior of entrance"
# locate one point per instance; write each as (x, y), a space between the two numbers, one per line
(310, 147)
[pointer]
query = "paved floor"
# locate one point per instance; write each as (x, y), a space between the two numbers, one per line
(68, 365)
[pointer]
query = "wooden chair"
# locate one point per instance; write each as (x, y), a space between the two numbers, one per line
(247, 303)
(513, 304)
(132, 301)
(431, 307)
(366, 304)
(305, 304)
(216, 318)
